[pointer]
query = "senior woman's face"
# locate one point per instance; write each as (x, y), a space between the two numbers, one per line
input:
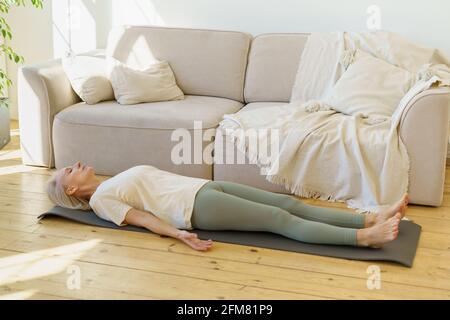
(76, 176)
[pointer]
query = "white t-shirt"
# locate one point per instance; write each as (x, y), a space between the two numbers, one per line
(167, 195)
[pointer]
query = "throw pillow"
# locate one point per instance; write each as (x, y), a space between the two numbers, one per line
(369, 86)
(132, 86)
(88, 76)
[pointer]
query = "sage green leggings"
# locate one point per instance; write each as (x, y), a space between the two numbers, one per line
(221, 205)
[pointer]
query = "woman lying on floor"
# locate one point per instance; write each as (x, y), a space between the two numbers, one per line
(165, 202)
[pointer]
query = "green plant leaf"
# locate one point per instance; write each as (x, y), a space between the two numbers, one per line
(6, 33)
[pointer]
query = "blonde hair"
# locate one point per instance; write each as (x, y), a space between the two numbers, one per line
(57, 194)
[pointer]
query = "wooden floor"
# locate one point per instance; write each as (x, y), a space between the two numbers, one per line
(57, 259)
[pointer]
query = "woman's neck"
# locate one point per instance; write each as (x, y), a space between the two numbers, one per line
(89, 189)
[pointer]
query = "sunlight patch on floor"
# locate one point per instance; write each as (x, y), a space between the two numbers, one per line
(18, 169)
(42, 263)
(15, 132)
(10, 154)
(21, 295)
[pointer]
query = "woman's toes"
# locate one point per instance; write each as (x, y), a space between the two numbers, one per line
(391, 221)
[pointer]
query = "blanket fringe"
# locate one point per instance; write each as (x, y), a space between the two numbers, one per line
(315, 106)
(301, 191)
(308, 193)
(242, 146)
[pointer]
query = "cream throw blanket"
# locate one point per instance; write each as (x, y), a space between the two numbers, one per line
(325, 154)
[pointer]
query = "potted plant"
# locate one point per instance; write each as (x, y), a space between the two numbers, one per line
(9, 53)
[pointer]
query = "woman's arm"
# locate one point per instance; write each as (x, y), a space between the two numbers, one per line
(151, 222)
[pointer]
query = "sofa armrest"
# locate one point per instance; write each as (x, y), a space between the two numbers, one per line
(43, 91)
(424, 128)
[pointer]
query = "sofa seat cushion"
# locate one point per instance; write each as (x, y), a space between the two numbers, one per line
(257, 105)
(155, 115)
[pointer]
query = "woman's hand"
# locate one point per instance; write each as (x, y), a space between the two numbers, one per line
(193, 241)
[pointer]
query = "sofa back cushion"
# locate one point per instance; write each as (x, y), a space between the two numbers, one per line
(272, 66)
(205, 62)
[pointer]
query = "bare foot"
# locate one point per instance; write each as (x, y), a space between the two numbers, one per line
(399, 207)
(379, 234)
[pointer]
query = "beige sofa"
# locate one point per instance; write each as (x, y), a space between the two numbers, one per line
(220, 72)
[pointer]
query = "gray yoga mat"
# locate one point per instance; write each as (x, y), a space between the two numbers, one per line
(402, 250)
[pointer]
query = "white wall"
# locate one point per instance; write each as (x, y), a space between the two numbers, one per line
(32, 40)
(80, 25)
(426, 22)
